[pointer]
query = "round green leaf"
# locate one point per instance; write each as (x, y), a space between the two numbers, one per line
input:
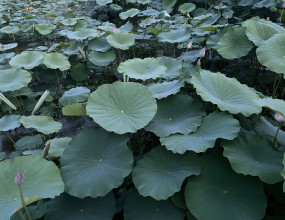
(271, 53)
(56, 61)
(103, 2)
(219, 193)
(66, 207)
(173, 67)
(10, 29)
(44, 29)
(42, 180)
(215, 125)
(27, 60)
(83, 33)
(122, 107)
(167, 4)
(227, 93)
(161, 173)
(148, 68)
(142, 208)
(57, 146)
(14, 79)
(121, 40)
(4, 47)
(261, 30)
(165, 89)
(29, 142)
(99, 44)
(101, 58)
(129, 13)
(234, 44)
(9, 122)
(174, 36)
(77, 109)
(69, 21)
(186, 8)
(176, 114)
(43, 124)
(255, 156)
(79, 72)
(96, 161)
(75, 95)
(277, 105)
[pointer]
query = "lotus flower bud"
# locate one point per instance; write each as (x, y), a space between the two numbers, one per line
(267, 18)
(184, 59)
(189, 45)
(203, 52)
(227, 17)
(278, 117)
(221, 4)
(19, 179)
(166, 14)
(113, 30)
(199, 62)
(283, 5)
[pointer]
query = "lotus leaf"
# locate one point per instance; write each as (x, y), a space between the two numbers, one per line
(4, 47)
(9, 122)
(43, 124)
(148, 68)
(10, 30)
(79, 72)
(161, 173)
(227, 93)
(165, 89)
(129, 13)
(56, 61)
(27, 60)
(122, 107)
(121, 40)
(57, 146)
(69, 21)
(101, 58)
(214, 126)
(186, 8)
(44, 29)
(96, 161)
(75, 95)
(174, 36)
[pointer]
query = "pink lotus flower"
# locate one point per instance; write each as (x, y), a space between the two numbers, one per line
(203, 52)
(199, 62)
(113, 30)
(19, 179)
(278, 117)
(189, 45)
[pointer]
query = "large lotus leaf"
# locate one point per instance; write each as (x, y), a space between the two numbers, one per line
(103, 2)
(173, 67)
(75, 95)
(220, 193)
(277, 105)
(165, 89)
(174, 36)
(176, 114)
(56, 61)
(69, 21)
(101, 58)
(43, 124)
(79, 72)
(142, 208)
(96, 161)
(148, 68)
(99, 44)
(215, 125)
(83, 34)
(167, 4)
(229, 94)
(271, 53)
(129, 13)
(44, 29)
(77, 109)
(161, 173)
(122, 107)
(14, 79)
(9, 122)
(66, 207)
(234, 44)
(42, 180)
(121, 40)
(255, 156)
(10, 30)
(29, 142)
(261, 30)
(4, 47)
(186, 8)
(57, 146)
(27, 60)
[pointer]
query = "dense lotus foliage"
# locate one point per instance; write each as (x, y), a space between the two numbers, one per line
(140, 109)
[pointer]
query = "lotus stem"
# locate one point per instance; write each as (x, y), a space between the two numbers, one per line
(4, 99)
(21, 214)
(23, 202)
(275, 86)
(41, 101)
(275, 137)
